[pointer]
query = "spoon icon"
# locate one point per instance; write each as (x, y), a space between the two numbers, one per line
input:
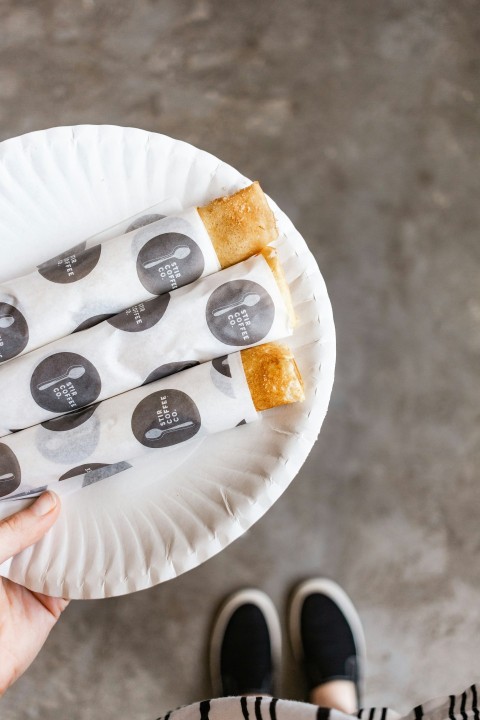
(8, 476)
(74, 372)
(180, 252)
(157, 433)
(249, 300)
(6, 321)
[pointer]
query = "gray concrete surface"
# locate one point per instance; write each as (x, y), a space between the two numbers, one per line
(362, 121)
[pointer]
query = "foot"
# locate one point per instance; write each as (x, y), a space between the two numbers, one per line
(245, 645)
(327, 639)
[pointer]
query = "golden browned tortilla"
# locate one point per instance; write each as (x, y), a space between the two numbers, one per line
(239, 225)
(271, 256)
(272, 375)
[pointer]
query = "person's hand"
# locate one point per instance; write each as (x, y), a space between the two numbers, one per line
(26, 617)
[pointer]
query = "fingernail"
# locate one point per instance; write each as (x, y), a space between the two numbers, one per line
(44, 504)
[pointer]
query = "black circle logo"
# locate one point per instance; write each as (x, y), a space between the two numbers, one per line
(70, 445)
(165, 418)
(169, 369)
(68, 438)
(95, 471)
(10, 474)
(221, 376)
(13, 332)
(240, 312)
(71, 266)
(72, 420)
(91, 321)
(143, 220)
(82, 470)
(222, 366)
(65, 381)
(142, 316)
(169, 261)
(80, 247)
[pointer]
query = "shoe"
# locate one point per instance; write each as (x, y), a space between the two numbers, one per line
(326, 634)
(245, 645)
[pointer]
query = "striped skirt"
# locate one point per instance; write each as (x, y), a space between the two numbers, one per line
(452, 707)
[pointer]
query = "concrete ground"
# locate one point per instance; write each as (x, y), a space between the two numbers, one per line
(362, 120)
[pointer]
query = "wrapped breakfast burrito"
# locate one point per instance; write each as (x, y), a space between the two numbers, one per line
(82, 287)
(244, 305)
(98, 441)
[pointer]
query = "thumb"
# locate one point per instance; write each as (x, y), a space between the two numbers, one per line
(26, 527)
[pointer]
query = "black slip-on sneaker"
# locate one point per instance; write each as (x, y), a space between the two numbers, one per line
(326, 634)
(245, 645)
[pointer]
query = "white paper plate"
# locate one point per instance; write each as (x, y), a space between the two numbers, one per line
(131, 531)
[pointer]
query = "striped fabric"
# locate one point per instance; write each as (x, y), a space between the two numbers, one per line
(452, 707)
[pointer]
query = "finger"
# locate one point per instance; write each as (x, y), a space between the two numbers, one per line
(26, 527)
(54, 605)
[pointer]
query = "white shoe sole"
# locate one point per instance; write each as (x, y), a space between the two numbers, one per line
(232, 603)
(330, 589)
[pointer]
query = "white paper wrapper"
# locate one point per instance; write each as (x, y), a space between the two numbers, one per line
(99, 441)
(238, 307)
(170, 206)
(79, 289)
